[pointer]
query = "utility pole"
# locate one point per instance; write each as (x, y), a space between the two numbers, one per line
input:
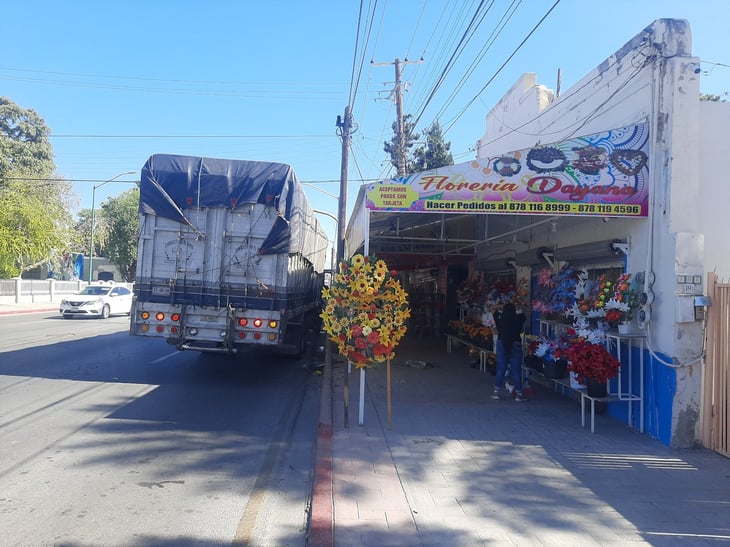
(398, 93)
(344, 126)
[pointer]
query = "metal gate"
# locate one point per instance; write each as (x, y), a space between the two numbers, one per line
(716, 378)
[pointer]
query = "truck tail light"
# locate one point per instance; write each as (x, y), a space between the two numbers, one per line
(175, 317)
(257, 323)
(160, 316)
(273, 324)
(242, 322)
(145, 315)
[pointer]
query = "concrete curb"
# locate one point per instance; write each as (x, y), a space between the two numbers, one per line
(36, 310)
(321, 529)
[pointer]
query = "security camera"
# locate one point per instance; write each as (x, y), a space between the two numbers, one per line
(697, 69)
(618, 248)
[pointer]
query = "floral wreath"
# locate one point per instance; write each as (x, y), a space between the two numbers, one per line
(507, 166)
(551, 159)
(365, 311)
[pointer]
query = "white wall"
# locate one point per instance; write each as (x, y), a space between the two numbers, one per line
(714, 153)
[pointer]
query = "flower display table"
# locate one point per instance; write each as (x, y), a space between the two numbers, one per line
(484, 353)
(624, 385)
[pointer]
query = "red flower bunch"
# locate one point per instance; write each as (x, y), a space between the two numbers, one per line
(589, 360)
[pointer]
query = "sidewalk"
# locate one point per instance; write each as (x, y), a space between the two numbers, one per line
(9, 308)
(458, 468)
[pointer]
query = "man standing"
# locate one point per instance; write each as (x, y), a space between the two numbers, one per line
(509, 350)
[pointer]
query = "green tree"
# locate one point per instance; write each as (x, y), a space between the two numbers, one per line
(715, 98)
(82, 229)
(436, 152)
(34, 205)
(397, 154)
(121, 215)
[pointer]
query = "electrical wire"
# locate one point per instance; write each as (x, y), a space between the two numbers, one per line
(496, 33)
(504, 64)
(371, 18)
(467, 35)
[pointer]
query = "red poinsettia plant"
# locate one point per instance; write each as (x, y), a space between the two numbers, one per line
(589, 360)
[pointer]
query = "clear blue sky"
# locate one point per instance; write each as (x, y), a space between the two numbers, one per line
(119, 81)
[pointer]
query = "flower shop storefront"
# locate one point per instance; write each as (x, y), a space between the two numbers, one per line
(545, 228)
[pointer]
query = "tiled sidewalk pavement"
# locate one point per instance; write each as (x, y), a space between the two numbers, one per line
(458, 468)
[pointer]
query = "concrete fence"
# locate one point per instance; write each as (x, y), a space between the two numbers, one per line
(20, 291)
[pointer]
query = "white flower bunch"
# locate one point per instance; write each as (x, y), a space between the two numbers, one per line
(614, 304)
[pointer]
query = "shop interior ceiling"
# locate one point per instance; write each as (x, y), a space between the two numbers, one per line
(410, 241)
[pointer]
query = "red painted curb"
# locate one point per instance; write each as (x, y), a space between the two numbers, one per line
(321, 530)
(14, 312)
(322, 521)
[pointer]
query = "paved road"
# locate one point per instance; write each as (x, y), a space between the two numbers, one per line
(107, 439)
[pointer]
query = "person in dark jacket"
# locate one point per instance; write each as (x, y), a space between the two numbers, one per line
(509, 350)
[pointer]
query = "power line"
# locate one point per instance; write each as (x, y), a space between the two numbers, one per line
(90, 136)
(514, 52)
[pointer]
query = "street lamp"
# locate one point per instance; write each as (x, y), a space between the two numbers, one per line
(337, 223)
(93, 203)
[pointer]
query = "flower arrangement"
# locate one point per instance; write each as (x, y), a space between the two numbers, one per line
(592, 360)
(624, 301)
(549, 349)
(365, 311)
(472, 330)
(503, 291)
(543, 291)
(472, 293)
(556, 292)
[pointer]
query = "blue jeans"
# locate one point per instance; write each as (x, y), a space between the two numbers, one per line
(509, 356)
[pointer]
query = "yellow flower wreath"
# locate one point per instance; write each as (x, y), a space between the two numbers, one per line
(365, 311)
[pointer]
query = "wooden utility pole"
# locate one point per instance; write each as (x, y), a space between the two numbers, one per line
(398, 95)
(344, 126)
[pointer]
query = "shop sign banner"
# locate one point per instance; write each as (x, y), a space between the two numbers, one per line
(605, 174)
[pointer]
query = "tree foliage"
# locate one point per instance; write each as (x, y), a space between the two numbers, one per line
(398, 154)
(709, 97)
(82, 228)
(121, 214)
(434, 153)
(34, 206)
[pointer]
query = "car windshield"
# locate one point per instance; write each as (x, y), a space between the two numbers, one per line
(95, 291)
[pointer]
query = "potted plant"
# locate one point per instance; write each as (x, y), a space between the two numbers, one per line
(593, 365)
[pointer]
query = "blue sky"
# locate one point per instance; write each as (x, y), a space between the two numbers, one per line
(119, 81)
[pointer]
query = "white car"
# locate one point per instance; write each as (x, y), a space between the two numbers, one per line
(99, 299)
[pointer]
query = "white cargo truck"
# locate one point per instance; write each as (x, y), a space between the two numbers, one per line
(230, 254)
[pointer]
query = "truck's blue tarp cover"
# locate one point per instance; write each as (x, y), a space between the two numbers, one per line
(172, 183)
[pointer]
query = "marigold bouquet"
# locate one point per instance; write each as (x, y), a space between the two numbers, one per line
(365, 311)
